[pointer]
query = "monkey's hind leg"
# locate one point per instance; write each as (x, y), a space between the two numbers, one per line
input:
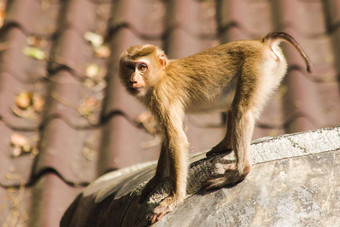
(225, 146)
(244, 109)
(241, 136)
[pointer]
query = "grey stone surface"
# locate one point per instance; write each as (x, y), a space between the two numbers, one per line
(295, 181)
(299, 191)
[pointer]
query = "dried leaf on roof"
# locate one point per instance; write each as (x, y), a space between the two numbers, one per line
(88, 109)
(28, 104)
(89, 153)
(92, 70)
(21, 144)
(36, 41)
(95, 77)
(34, 53)
(102, 52)
(97, 41)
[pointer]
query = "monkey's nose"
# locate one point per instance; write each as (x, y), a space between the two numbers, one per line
(133, 79)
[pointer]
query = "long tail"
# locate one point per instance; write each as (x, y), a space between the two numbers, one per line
(289, 39)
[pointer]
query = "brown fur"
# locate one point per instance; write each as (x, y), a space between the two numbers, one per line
(236, 77)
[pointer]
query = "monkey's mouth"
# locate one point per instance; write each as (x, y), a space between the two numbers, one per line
(136, 89)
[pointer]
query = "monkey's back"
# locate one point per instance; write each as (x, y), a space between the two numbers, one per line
(210, 77)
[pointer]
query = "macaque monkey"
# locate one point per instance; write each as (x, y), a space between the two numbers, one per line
(235, 77)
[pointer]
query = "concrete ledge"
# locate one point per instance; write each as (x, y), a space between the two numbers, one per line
(295, 180)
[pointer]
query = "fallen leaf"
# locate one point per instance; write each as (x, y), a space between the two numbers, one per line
(19, 140)
(95, 77)
(95, 39)
(34, 152)
(87, 107)
(24, 100)
(38, 102)
(102, 52)
(28, 104)
(89, 83)
(36, 41)
(34, 53)
(89, 153)
(21, 144)
(12, 176)
(16, 152)
(92, 70)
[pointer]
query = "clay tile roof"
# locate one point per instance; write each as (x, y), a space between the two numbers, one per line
(65, 119)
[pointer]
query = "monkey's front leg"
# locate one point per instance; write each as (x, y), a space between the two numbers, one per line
(161, 173)
(177, 151)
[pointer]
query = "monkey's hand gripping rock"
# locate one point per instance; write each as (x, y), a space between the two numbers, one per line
(166, 206)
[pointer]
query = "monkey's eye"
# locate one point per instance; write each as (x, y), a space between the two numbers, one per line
(142, 67)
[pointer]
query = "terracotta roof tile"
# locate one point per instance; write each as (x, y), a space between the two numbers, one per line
(253, 18)
(42, 204)
(15, 166)
(15, 42)
(328, 96)
(324, 61)
(51, 196)
(70, 100)
(77, 15)
(301, 102)
(194, 17)
(332, 9)
(274, 105)
(182, 44)
(144, 18)
(232, 33)
(118, 151)
(304, 17)
(203, 138)
(33, 17)
(71, 51)
(11, 114)
(66, 150)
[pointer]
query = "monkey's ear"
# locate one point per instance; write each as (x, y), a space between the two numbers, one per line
(163, 60)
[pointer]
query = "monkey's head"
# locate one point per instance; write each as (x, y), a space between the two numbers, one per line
(141, 67)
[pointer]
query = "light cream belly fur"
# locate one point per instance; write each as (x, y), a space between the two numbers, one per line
(221, 103)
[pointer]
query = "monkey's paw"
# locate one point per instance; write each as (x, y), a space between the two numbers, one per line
(166, 206)
(231, 177)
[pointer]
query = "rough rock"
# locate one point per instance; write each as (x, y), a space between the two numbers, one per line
(295, 181)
